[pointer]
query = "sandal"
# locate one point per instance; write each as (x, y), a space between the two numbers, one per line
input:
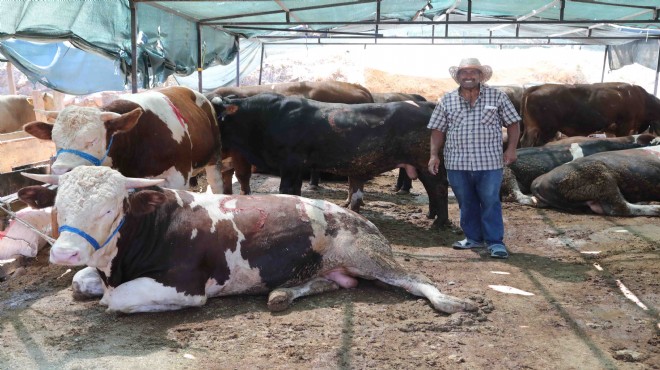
(498, 251)
(467, 244)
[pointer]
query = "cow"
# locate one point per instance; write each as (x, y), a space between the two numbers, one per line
(360, 141)
(18, 239)
(535, 161)
(617, 108)
(325, 91)
(159, 249)
(607, 183)
(17, 110)
(170, 133)
(641, 139)
(515, 94)
(392, 97)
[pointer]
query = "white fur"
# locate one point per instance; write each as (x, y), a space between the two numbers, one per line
(576, 151)
(157, 103)
(146, 295)
(87, 282)
(79, 128)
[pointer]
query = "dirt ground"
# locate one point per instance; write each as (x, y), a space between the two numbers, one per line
(563, 308)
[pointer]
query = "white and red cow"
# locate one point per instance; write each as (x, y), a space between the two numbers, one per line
(170, 133)
(159, 249)
(606, 183)
(18, 239)
(535, 161)
(17, 110)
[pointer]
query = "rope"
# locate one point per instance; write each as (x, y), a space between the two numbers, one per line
(5, 206)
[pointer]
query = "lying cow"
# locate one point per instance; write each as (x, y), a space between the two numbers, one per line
(17, 110)
(535, 161)
(18, 239)
(579, 110)
(360, 141)
(171, 133)
(160, 249)
(325, 91)
(605, 183)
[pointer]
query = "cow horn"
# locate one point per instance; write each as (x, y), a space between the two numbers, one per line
(107, 116)
(49, 179)
(134, 183)
(50, 114)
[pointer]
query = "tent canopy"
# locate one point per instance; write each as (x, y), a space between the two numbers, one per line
(150, 40)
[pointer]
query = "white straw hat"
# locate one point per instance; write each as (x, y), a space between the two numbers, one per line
(474, 63)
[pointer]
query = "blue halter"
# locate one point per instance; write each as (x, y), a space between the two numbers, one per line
(88, 237)
(88, 157)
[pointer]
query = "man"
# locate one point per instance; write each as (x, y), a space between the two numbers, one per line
(467, 125)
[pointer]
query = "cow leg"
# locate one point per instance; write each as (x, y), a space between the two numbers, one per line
(215, 178)
(371, 258)
(87, 283)
(510, 191)
(281, 298)
(437, 188)
(243, 170)
(612, 203)
(146, 295)
(355, 194)
(314, 176)
(291, 179)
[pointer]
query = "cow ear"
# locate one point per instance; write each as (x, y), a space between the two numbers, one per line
(145, 201)
(231, 109)
(124, 122)
(37, 196)
(40, 130)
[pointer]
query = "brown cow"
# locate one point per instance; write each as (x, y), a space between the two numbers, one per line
(577, 110)
(168, 133)
(324, 91)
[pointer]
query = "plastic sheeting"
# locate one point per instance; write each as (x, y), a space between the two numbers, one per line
(64, 68)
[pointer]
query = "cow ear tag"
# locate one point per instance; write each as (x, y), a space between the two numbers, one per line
(231, 109)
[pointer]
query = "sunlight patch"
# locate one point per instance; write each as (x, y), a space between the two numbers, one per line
(597, 266)
(590, 252)
(509, 290)
(500, 272)
(628, 294)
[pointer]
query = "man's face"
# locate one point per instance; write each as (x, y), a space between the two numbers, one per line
(469, 78)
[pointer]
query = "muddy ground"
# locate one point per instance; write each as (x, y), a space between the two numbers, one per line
(573, 314)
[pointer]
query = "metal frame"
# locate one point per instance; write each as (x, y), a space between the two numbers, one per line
(231, 24)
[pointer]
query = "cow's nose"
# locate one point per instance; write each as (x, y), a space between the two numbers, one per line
(64, 256)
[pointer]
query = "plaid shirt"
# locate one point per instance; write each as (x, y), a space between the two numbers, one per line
(474, 134)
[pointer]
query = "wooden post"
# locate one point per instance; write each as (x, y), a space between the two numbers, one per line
(10, 79)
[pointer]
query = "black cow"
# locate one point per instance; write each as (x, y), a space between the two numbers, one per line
(535, 161)
(357, 140)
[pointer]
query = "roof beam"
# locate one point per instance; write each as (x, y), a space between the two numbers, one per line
(528, 15)
(598, 25)
(618, 5)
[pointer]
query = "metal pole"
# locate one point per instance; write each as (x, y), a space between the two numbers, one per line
(602, 75)
(261, 63)
(134, 82)
(238, 61)
(657, 71)
(10, 79)
(200, 57)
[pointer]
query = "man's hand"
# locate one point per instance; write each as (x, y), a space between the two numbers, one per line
(510, 156)
(434, 164)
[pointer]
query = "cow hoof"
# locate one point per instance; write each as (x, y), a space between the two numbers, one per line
(279, 300)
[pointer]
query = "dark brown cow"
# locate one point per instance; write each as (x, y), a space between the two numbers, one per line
(391, 97)
(607, 183)
(170, 133)
(288, 135)
(325, 91)
(579, 110)
(169, 249)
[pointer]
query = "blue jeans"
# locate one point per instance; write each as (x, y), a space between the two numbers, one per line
(478, 195)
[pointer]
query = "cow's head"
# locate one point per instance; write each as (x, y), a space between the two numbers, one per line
(90, 211)
(82, 135)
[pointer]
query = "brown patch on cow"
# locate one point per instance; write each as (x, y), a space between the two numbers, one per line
(36, 196)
